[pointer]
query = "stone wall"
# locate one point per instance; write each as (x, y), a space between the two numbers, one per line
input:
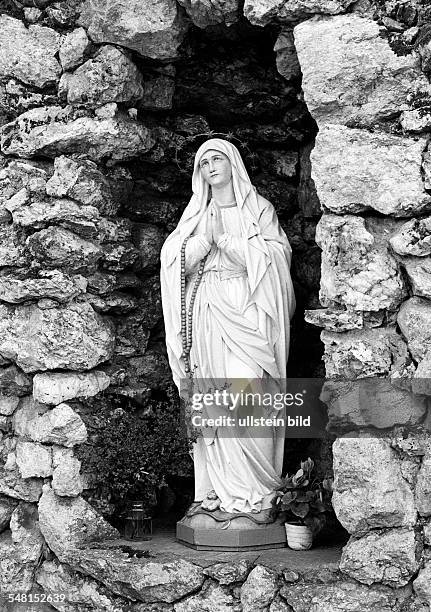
(365, 82)
(90, 186)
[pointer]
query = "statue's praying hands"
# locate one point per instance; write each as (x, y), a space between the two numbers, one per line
(214, 228)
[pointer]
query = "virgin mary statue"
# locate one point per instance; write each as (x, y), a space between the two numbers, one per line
(225, 278)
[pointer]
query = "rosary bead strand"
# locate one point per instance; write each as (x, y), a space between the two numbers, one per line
(187, 317)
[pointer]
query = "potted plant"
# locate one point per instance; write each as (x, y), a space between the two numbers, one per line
(304, 501)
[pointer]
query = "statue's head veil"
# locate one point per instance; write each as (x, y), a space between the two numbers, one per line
(245, 194)
(240, 178)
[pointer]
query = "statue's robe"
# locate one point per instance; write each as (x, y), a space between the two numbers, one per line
(241, 325)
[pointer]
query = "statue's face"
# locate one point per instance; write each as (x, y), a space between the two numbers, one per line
(216, 168)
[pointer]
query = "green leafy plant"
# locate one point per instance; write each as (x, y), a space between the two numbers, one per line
(304, 499)
(133, 450)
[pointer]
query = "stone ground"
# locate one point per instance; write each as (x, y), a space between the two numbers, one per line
(278, 559)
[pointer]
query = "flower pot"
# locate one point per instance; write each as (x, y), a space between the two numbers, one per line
(299, 537)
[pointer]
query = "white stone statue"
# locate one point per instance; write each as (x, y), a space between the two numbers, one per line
(240, 322)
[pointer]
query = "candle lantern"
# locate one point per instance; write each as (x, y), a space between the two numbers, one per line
(138, 526)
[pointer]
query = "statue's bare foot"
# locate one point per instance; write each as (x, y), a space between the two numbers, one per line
(211, 502)
(214, 504)
(257, 508)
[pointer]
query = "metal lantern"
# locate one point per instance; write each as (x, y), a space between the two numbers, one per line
(138, 526)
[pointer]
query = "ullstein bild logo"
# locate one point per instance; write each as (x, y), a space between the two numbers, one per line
(250, 421)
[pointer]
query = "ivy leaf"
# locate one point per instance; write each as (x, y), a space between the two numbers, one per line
(300, 509)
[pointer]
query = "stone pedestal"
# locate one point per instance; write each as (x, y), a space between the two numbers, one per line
(226, 531)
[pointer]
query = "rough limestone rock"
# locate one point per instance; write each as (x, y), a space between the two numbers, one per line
(279, 605)
(416, 121)
(350, 73)
(26, 534)
(259, 589)
(228, 573)
(8, 404)
(66, 480)
(18, 174)
(357, 269)
(57, 247)
(67, 523)
(421, 381)
(114, 230)
(53, 284)
(283, 164)
(5, 425)
(7, 506)
(413, 238)
(13, 485)
(12, 248)
(204, 13)
(18, 44)
(335, 319)
(148, 239)
(362, 353)
(33, 459)
(81, 593)
(52, 130)
(158, 92)
(11, 482)
(15, 576)
(71, 337)
(148, 580)
(411, 443)
(387, 557)
(422, 584)
(370, 491)
(212, 598)
(13, 381)
(61, 425)
(132, 333)
(343, 596)
(37, 214)
(355, 170)
(101, 283)
(81, 180)
(58, 387)
(414, 320)
(427, 533)
(109, 77)
(287, 59)
(118, 256)
(370, 402)
(423, 487)
(16, 98)
(150, 371)
(32, 15)
(154, 30)
(262, 12)
(73, 49)
(117, 303)
(419, 274)
(426, 167)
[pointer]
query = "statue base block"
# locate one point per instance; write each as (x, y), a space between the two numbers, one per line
(232, 540)
(223, 531)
